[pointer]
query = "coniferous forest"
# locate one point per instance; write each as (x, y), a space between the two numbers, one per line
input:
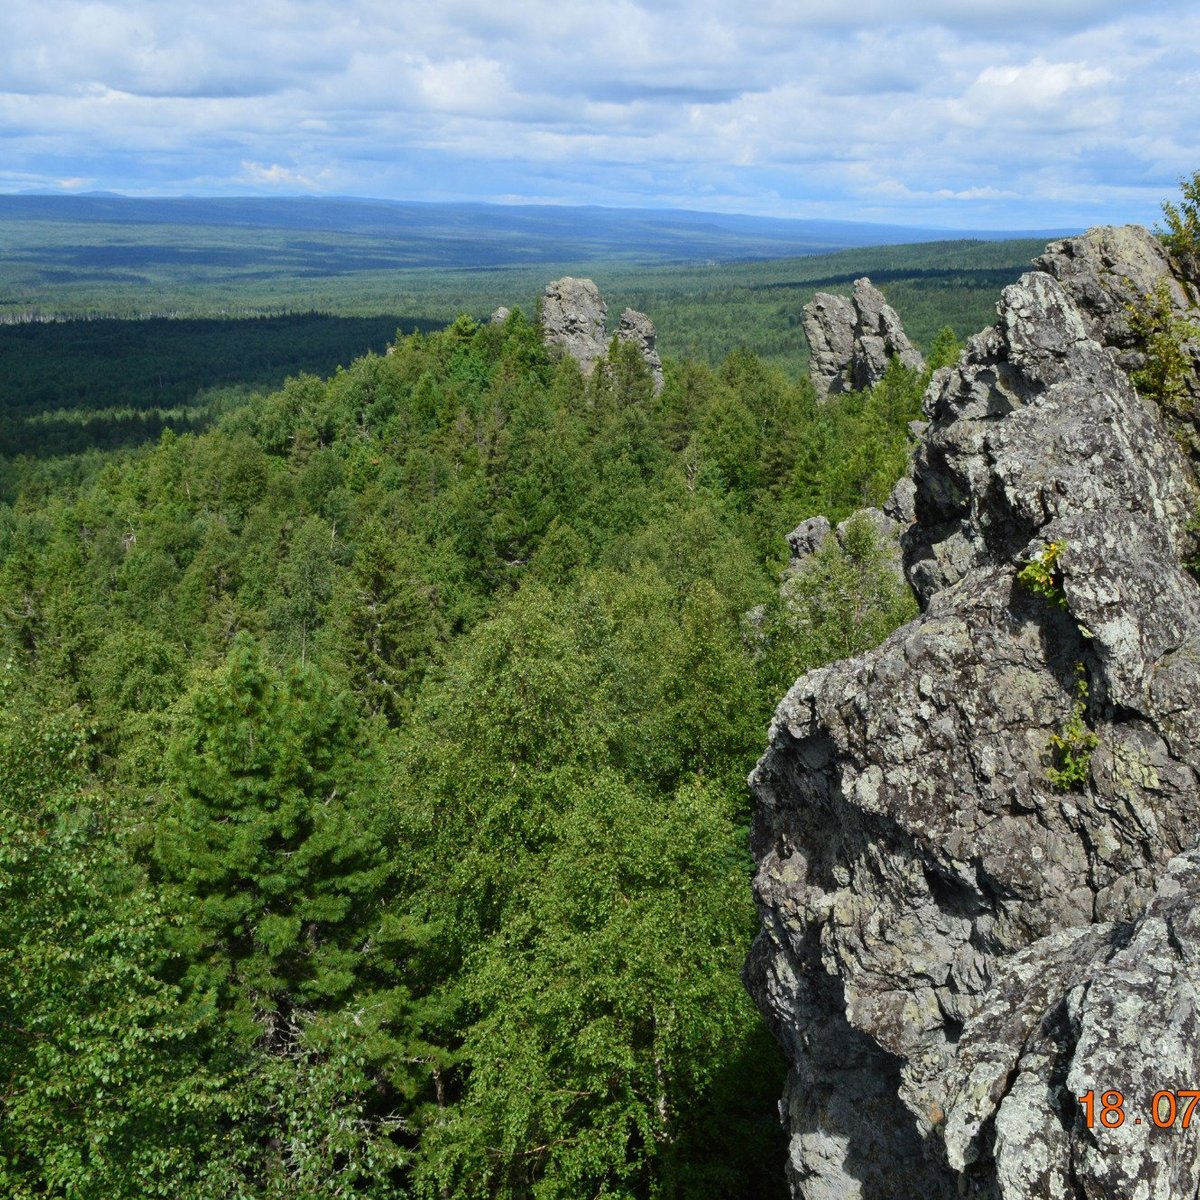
(373, 817)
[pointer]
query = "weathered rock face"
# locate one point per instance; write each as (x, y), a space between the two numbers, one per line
(852, 340)
(1110, 1001)
(953, 949)
(1106, 271)
(573, 315)
(1110, 271)
(573, 319)
(637, 329)
(829, 325)
(807, 538)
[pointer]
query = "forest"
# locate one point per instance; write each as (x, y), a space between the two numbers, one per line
(86, 365)
(373, 817)
(67, 387)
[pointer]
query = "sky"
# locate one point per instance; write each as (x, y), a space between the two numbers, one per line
(1008, 114)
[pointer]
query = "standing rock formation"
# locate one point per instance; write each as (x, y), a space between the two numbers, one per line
(1106, 271)
(852, 340)
(573, 315)
(637, 328)
(807, 538)
(1111, 271)
(829, 324)
(975, 844)
(573, 320)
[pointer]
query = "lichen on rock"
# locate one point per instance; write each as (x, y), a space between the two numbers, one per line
(573, 316)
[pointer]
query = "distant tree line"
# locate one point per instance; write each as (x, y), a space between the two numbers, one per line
(69, 386)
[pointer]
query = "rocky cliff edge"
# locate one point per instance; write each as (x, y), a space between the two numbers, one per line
(975, 845)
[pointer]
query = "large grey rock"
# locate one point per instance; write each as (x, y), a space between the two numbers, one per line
(807, 538)
(879, 336)
(852, 340)
(1113, 270)
(573, 320)
(637, 329)
(1098, 1008)
(1034, 422)
(573, 315)
(951, 947)
(829, 325)
(1109, 269)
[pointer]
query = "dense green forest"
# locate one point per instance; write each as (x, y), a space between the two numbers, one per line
(91, 382)
(124, 256)
(67, 387)
(702, 309)
(372, 776)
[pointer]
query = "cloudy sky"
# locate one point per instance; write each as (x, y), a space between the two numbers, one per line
(956, 113)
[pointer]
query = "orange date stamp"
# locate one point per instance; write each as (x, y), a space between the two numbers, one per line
(1168, 1109)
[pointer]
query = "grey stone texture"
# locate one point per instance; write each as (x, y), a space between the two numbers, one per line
(574, 316)
(637, 328)
(808, 537)
(953, 949)
(1111, 269)
(851, 340)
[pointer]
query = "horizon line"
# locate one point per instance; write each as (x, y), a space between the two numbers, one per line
(335, 198)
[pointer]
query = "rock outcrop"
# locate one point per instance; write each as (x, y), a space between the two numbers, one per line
(573, 316)
(809, 536)
(637, 329)
(1112, 271)
(1109, 270)
(960, 937)
(851, 340)
(573, 320)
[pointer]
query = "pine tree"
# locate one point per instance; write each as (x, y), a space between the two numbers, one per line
(387, 622)
(111, 1089)
(266, 846)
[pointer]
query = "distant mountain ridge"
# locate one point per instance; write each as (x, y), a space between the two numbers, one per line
(477, 234)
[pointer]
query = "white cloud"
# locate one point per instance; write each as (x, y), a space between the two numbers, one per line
(275, 176)
(464, 85)
(1017, 112)
(1053, 94)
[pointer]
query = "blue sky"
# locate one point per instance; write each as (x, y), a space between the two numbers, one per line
(955, 113)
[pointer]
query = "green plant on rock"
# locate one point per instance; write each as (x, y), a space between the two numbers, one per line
(1043, 576)
(1182, 234)
(1162, 334)
(1073, 747)
(945, 350)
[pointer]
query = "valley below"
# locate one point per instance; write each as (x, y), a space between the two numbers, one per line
(394, 601)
